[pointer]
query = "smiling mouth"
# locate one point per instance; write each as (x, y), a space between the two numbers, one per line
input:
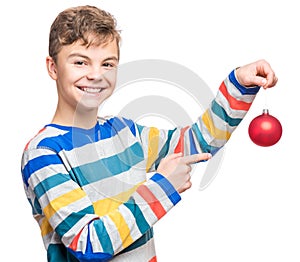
(90, 90)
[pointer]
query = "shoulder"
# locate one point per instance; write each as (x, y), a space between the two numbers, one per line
(117, 123)
(44, 137)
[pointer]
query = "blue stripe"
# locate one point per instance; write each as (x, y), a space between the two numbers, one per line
(103, 236)
(111, 127)
(206, 148)
(131, 125)
(109, 166)
(138, 214)
(78, 137)
(72, 219)
(244, 90)
(49, 183)
(37, 206)
(165, 149)
(221, 113)
(91, 257)
(140, 128)
(38, 163)
(193, 149)
(167, 187)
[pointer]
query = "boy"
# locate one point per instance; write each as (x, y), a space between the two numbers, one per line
(85, 177)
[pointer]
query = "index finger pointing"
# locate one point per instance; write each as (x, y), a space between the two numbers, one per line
(191, 159)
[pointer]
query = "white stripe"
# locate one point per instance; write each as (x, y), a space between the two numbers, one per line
(212, 141)
(128, 216)
(96, 243)
(113, 233)
(104, 148)
(41, 174)
(68, 237)
(233, 113)
(56, 192)
(160, 195)
(115, 185)
(33, 153)
(234, 92)
(62, 213)
(145, 209)
(141, 254)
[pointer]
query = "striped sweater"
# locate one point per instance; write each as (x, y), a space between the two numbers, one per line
(89, 191)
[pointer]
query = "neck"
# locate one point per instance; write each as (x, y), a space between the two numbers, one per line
(86, 119)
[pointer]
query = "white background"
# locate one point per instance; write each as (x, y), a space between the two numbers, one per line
(250, 212)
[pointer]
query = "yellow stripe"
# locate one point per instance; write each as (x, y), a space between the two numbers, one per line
(153, 139)
(45, 227)
(215, 132)
(63, 201)
(122, 227)
(104, 206)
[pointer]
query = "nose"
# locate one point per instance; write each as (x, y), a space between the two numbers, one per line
(95, 73)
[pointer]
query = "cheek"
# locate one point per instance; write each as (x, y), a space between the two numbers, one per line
(111, 77)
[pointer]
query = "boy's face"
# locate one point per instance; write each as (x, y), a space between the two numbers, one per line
(85, 77)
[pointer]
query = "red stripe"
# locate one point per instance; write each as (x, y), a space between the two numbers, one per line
(74, 243)
(152, 201)
(234, 103)
(153, 259)
(180, 145)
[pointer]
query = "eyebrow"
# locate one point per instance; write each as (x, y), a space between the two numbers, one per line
(111, 58)
(86, 57)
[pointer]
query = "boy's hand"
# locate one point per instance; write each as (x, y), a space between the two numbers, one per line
(258, 73)
(176, 168)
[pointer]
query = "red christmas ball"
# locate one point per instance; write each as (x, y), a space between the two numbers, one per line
(265, 129)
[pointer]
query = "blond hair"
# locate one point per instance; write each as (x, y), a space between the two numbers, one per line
(88, 24)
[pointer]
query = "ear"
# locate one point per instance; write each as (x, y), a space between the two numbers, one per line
(51, 67)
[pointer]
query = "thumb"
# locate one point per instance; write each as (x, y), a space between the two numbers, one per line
(259, 81)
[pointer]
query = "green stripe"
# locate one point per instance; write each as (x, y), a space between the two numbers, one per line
(138, 214)
(109, 166)
(221, 113)
(103, 236)
(49, 183)
(205, 147)
(72, 219)
(165, 149)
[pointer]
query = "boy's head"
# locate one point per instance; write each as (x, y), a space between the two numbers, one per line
(88, 24)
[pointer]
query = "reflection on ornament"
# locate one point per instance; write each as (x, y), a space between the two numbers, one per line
(265, 129)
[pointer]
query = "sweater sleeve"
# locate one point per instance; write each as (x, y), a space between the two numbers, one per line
(211, 130)
(60, 205)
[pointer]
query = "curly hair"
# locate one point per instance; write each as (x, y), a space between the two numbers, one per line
(88, 24)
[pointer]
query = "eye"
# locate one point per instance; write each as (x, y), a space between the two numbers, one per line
(106, 64)
(80, 63)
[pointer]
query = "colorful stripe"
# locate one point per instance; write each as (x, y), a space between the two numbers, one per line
(214, 131)
(233, 102)
(180, 145)
(244, 90)
(153, 142)
(152, 201)
(167, 187)
(122, 228)
(89, 189)
(62, 201)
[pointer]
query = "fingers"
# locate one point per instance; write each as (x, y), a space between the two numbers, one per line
(258, 73)
(271, 80)
(174, 156)
(268, 77)
(192, 159)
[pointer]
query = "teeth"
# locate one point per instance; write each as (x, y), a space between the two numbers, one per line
(91, 90)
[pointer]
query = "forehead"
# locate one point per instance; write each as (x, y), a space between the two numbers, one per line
(93, 51)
